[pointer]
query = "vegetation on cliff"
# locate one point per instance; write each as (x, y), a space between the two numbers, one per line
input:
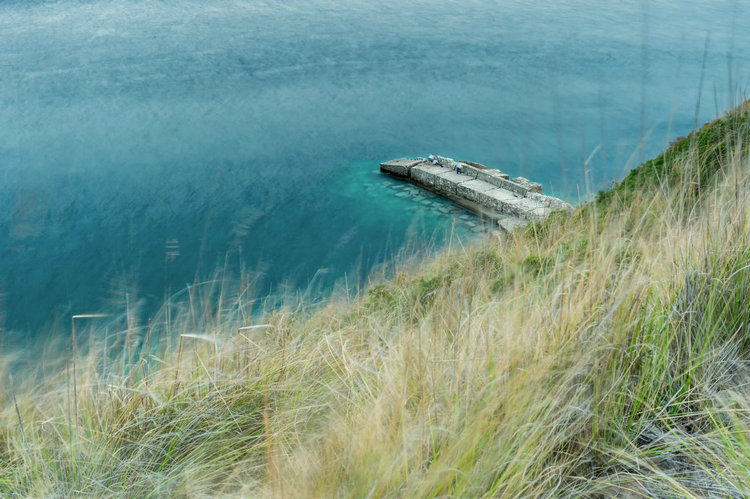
(602, 351)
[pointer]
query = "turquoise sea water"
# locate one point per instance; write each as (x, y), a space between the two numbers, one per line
(143, 144)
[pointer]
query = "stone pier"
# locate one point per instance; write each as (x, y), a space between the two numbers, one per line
(486, 191)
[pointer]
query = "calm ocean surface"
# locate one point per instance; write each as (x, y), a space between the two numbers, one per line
(246, 135)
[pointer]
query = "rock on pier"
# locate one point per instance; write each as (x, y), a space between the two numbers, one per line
(486, 191)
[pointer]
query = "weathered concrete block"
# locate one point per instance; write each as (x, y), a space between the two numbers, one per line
(471, 171)
(500, 180)
(489, 175)
(445, 186)
(472, 188)
(483, 175)
(422, 175)
(448, 182)
(527, 184)
(474, 164)
(511, 186)
(400, 167)
(494, 198)
(446, 162)
(550, 202)
(525, 208)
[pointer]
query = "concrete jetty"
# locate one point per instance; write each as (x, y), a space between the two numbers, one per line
(486, 191)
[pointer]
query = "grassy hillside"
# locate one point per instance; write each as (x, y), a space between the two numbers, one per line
(601, 352)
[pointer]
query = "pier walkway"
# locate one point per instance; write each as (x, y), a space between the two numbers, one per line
(486, 191)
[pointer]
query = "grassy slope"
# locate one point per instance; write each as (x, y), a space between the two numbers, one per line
(603, 351)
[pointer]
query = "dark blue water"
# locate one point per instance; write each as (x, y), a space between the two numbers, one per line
(245, 135)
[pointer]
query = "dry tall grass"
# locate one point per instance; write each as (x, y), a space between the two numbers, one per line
(603, 352)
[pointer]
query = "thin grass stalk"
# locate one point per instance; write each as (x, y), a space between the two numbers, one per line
(15, 405)
(75, 383)
(177, 369)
